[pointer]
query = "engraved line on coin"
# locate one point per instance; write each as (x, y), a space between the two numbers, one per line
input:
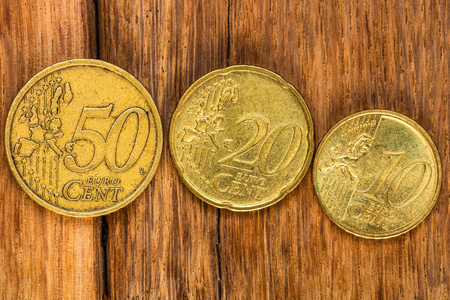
(92, 189)
(208, 111)
(267, 141)
(40, 110)
(261, 133)
(342, 163)
(400, 176)
(379, 188)
(372, 213)
(384, 189)
(242, 184)
(101, 144)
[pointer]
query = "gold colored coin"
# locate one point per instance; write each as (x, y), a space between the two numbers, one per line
(377, 174)
(241, 138)
(83, 138)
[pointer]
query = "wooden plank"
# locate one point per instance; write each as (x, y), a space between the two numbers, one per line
(343, 57)
(163, 245)
(43, 255)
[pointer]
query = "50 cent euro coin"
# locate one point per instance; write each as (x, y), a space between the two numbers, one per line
(83, 138)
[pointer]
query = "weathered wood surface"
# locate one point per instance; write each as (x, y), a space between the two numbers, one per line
(43, 255)
(165, 243)
(342, 56)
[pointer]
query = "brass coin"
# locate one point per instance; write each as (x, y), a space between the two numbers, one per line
(241, 138)
(377, 174)
(83, 138)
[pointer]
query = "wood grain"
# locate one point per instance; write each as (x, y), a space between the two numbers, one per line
(342, 56)
(43, 255)
(164, 244)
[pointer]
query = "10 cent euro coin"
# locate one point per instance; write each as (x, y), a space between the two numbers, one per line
(377, 174)
(241, 138)
(83, 138)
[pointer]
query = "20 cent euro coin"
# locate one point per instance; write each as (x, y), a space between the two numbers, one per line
(83, 138)
(241, 138)
(377, 174)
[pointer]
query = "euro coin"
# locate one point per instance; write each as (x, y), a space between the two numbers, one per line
(83, 138)
(377, 174)
(241, 138)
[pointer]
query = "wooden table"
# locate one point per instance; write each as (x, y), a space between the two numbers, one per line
(342, 56)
